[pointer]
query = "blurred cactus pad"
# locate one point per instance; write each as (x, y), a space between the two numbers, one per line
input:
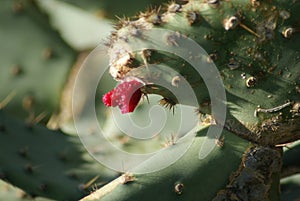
(255, 47)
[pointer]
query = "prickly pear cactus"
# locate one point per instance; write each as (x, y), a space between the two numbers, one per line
(255, 46)
(11, 193)
(47, 163)
(34, 64)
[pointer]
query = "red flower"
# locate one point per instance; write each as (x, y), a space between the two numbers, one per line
(107, 98)
(126, 95)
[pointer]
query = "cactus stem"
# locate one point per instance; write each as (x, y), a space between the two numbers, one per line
(254, 175)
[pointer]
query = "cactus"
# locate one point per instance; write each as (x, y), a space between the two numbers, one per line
(10, 193)
(290, 188)
(255, 46)
(110, 9)
(290, 173)
(291, 162)
(47, 163)
(186, 179)
(32, 77)
(242, 55)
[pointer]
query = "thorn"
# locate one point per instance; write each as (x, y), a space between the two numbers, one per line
(171, 141)
(147, 98)
(168, 104)
(145, 55)
(94, 188)
(249, 30)
(39, 118)
(158, 9)
(271, 110)
(7, 99)
(286, 145)
(89, 183)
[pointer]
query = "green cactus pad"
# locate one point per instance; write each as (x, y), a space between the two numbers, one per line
(255, 46)
(34, 61)
(290, 188)
(187, 179)
(47, 163)
(291, 160)
(11, 193)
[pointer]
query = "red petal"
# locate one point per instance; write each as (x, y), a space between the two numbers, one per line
(126, 95)
(133, 102)
(107, 98)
